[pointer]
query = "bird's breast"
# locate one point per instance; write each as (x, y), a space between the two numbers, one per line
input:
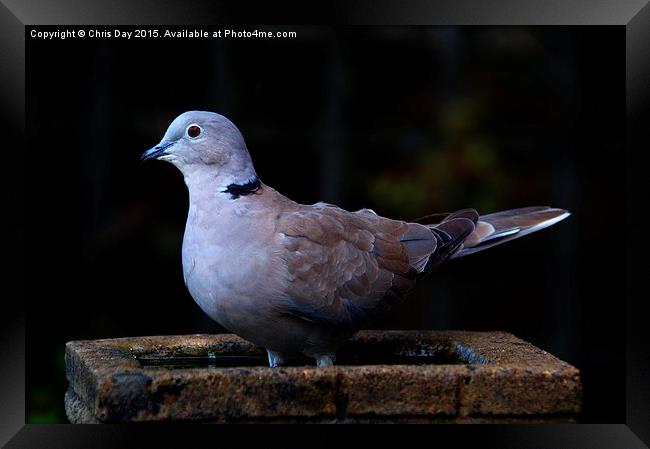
(230, 271)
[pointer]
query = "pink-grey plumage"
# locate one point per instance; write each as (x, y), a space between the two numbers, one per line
(297, 278)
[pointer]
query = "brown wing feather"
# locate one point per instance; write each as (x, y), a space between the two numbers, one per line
(452, 230)
(349, 267)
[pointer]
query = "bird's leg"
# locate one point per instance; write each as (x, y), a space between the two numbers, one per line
(276, 358)
(325, 360)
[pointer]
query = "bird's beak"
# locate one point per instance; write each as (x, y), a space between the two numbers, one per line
(157, 151)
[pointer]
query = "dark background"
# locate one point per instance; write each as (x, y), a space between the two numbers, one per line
(406, 121)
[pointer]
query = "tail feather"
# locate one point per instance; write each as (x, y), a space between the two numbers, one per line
(509, 225)
(464, 232)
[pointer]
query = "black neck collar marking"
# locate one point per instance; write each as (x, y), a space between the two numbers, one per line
(236, 190)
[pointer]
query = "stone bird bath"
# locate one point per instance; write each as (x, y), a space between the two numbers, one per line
(380, 376)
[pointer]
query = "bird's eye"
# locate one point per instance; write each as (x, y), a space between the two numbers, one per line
(193, 131)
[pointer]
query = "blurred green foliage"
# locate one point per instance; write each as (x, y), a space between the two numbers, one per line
(45, 400)
(464, 167)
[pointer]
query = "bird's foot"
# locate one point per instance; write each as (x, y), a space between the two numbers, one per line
(325, 360)
(276, 358)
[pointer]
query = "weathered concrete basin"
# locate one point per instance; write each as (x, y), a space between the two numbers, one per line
(382, 376)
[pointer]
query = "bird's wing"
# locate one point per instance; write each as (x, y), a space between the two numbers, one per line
(348, 267)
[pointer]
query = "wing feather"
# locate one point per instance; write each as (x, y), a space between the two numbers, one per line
(346, 268)
(349, 267)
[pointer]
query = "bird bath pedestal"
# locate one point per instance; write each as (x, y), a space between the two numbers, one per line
(380, 376)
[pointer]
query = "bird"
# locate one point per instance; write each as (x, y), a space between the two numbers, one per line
(300, 279)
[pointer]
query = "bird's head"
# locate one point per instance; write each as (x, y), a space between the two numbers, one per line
(200, 141)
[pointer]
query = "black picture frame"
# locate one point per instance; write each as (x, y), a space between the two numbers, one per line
(633, 15)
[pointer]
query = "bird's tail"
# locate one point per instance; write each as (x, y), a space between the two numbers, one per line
(499, 227)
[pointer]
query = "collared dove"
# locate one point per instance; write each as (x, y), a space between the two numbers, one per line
(295, 278)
